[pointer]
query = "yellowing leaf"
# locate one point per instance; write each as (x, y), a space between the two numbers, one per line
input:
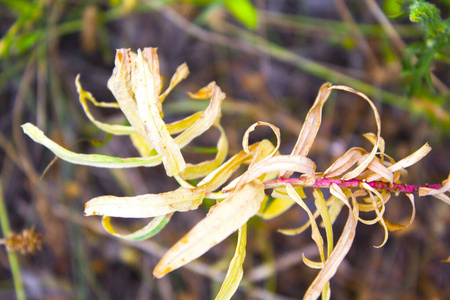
(321, 205)
(146, 206)
(151, 229)
(113, 129)
(202, 169)
(207, 119)
(310, 127)
(181, 73)
(315, 233)
(149, 115)
(219, 176)
(93, 160)
(340, 251)
(275, 207)
(205, 92)
(230, 214)
(122, 89)
(235, 271)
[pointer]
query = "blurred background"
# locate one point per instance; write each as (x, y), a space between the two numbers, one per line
(270, 58)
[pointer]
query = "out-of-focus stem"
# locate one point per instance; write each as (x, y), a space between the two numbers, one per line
(12, 257)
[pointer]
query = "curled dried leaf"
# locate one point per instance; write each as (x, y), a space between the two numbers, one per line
(310, 126)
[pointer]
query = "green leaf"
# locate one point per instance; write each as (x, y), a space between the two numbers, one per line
(244, 11)
(151, 229)
(93, 160)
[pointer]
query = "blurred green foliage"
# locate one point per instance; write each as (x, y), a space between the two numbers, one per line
(435, 45)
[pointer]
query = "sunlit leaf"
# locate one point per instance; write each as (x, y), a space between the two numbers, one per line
(219, 176)
(93, 160)
(230, 214)
(275, 207)
(145, 206)
(154, 126)
(244, 11)
(181, 73)
(321, 205)
(202, 169)
(235, 271)
(209, 116)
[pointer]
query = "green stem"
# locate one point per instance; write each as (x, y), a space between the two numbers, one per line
(12, 256)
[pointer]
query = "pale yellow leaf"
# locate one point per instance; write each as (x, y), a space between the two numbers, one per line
(154, 126)
(205, 92)
(321, 205)
(141, 144)
(340, 251)
(181, 73)
(122, 89)
(230, 214)
(93, 160)
(151, 58)
(281, 163)
(235, 271)
(110, 128)
(209, 116)
(373, 139)
(312, 264)
(202, 169)
(275, 207)
(219, 176)
(310, 126)
(146, 206)
(315, 233)
(275, 129)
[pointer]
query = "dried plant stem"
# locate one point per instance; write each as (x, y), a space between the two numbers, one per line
(353, 183)
(12, 256)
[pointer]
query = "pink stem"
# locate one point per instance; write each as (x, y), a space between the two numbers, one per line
(325, 182)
